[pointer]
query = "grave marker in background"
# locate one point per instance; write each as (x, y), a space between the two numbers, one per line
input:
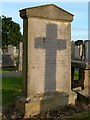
(1, 52)
(20, 55)
(11, 51)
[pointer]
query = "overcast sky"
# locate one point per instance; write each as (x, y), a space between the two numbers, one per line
(79, 28)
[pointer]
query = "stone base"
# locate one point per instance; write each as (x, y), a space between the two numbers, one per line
(41, 104)
(72, 97)
(83, 96)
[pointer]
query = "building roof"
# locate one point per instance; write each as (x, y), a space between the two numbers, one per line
(49, 11)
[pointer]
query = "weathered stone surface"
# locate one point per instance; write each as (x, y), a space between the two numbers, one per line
(46, 58)
(87, 83)
(1, 52)
(87, 52)
(11, 51)
(7, 61)
(54, 12)
(41, 103)
(20, 56)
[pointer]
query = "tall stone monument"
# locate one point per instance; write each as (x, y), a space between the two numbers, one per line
(86, 90)
(20, 56)
(46, 59)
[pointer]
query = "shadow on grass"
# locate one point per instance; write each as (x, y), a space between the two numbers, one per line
(11, 87)
(12, 68)
(8, 96)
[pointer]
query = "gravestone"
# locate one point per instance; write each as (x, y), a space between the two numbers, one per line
(14, 50)
(1, 52)
(14, 47)
(81, 50)
(4, 51)
(7, 61)
(11, 51)
(72, 49)
(77, 53)
(20, 56)
(86, 90)
(87, 83)
(87, 53)
(46, 59)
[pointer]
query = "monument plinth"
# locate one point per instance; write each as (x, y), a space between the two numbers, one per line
(46, 59)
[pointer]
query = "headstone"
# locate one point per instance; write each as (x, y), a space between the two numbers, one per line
(46, 59)
(87, 51)
(87, 83)
(77, 53)
(1, 52)
(7, 61)
(72, 49)
(4, 51)
(11, 51)
(81, 50)
(14, 50)
(20, 56)
(86, 90)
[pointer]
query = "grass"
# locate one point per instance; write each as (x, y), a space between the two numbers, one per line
(3, 71)
(11, 87)
(7, 69)
(80, 116)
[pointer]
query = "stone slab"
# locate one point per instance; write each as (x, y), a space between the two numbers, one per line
(41, 104)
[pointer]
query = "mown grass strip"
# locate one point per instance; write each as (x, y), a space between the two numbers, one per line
(11, 87)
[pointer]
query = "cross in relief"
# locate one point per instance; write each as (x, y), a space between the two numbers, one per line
(51, 44)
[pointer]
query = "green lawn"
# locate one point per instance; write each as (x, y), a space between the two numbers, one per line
(81, 116)
(11, 87)
(4, 70)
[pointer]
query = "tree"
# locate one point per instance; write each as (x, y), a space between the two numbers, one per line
(10, 32)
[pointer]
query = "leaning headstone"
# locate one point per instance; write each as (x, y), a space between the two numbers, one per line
(46, 60)
(20, 56)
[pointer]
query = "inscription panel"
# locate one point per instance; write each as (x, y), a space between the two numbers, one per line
(50, 44)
